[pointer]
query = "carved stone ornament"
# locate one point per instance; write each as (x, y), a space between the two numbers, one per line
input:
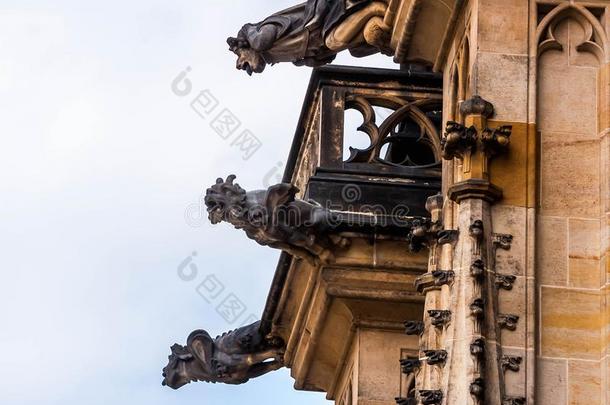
(514, 401)
(439, 318)
(443, 277)
(276, 218)
(505, 282)
(476, 105)
(410, 365)
(511, 363)
(447, 236)
(424, 233)
(477, 270)
(434, 280)
(497, 140)
(477, 348)
(414, 328)
(477, 388)
(508, 321)
(435, 357)
(502, 241)
(232, 358)
(312, 34)
(457, 140)
(477, 308)
(476, 230)
(430, 397)
(420, 235)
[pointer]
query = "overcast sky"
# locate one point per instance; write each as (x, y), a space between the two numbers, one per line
(100, 160)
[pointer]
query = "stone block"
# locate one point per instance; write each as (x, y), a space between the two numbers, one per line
(552, 381)
(584, 238)
(511, 220)
(503, 26)
(585, 386)
(569, 178)
(552, 243)
(395, 253)
(514, 302)
(379, 368)
(606, 324)
(515, 380)
(360, 252)
(502, 79)
(584, 273)
(571, 323)
(605, 179)
(514, 170)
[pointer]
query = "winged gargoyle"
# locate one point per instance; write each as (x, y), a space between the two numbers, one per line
(232, 358)
(276, 218)
(312, 34)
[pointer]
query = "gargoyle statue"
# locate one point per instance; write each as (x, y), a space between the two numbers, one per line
(275, 218)
(232, 358)
(312, 34)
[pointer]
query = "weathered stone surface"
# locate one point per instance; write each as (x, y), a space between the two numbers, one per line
(514, 302)
(511, 220)
(552, 381)
(552, 244)
(505, 31)
(571, 323)
(584, 238)
(504, 86)
(585, 382)
(575, 118)
(585, 273)
(566, 191)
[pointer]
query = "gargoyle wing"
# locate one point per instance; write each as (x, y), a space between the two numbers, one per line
(278, 195)
(201, 345)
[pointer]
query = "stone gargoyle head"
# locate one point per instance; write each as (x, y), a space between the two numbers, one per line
(249, 59)
(275, 217)
(226, 201)
(192, 362)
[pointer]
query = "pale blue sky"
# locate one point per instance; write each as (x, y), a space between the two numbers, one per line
(98, 163)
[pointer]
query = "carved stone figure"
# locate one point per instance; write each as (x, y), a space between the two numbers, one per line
(232, 358)
(439, 318)
(431, 397)
(511, 363)
(457, 140)
(477, 308)
(477, 348)
(276, 218)
(505, 281)
(477, 269)
(414, 328)
(508, 321)
(312, 33)
(409, 365)
(477, 388)
(435, 357)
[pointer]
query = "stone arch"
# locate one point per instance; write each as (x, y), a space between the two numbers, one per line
(464, 62)
(596, 41)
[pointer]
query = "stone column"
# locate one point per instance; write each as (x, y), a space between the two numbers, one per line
(461, 359)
